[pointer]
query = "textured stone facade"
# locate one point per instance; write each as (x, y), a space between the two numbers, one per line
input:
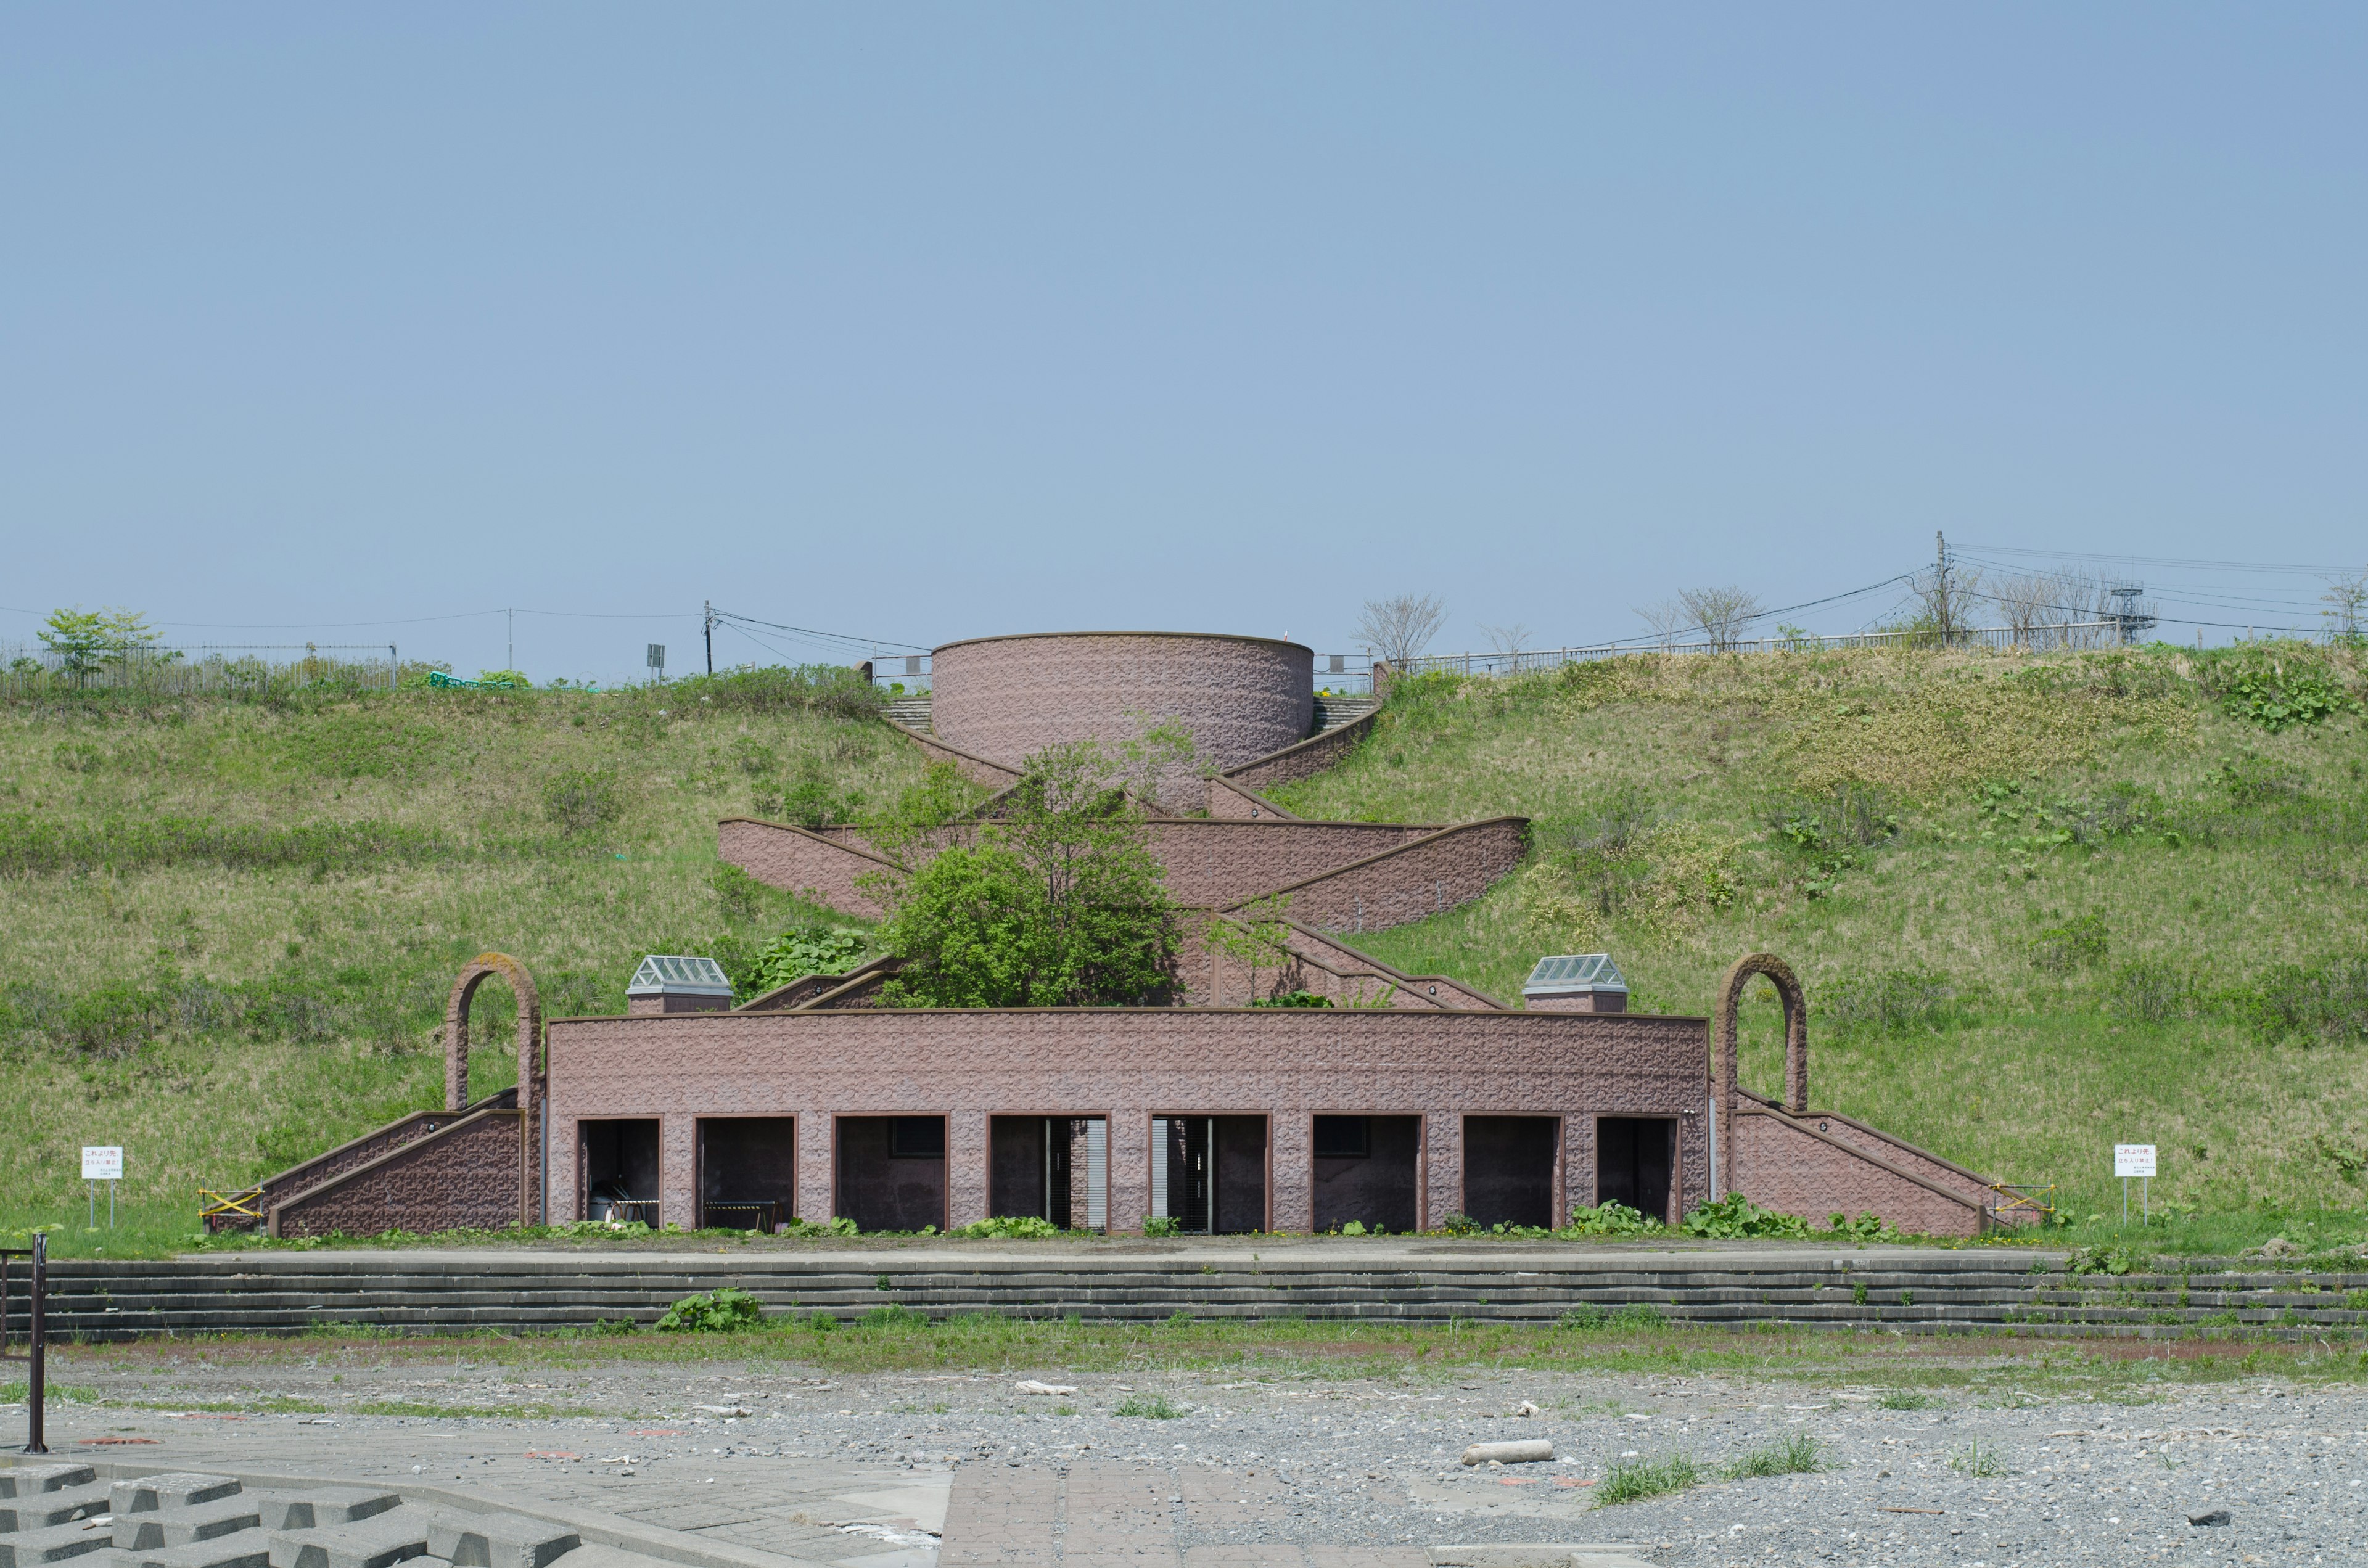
(1342, 876)
(1129, 1065)
(1784, 1163)
(466, 1174)
(1004, 699)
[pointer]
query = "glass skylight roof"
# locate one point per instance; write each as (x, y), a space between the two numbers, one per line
(661, 974)
(1574, 972)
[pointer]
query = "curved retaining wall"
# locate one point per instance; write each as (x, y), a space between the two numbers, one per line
(1003, 697)
(1342, 876)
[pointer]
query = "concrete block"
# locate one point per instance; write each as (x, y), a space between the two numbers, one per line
(498, 1541)
(51, 1543)
(174, 1489)
(322, 1507)
(243, 1548)
(376, 1542)
(44, 1508)
(24, 1480)
(152, 1530)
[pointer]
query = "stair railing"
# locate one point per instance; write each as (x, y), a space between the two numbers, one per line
(37, 1336)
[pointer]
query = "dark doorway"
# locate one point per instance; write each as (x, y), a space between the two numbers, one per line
(1633, 1158)
(1366, 1170)
(621, 1170)
(1212, 1179)
(1508, 1169)
(892, 1172)
(1054, 1167)
(747, 1171)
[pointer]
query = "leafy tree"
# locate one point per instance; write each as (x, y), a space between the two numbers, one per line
(1258, 936)
(920, 819)
(84, 640)
(1058, 903)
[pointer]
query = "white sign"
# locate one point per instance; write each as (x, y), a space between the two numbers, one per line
(101, 1164)
(2134, 1159)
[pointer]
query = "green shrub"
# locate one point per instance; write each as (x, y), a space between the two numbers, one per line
(810, 949)
(727, 1311)
(1868, 1227)
(1735, 1216)
(1163, 1225)
(2277, 686)
(2248, 779)
(2076, 944)
(583, 801)
(1632, 1481)
(1027, 1226)
(1610, 1219)
(2325, 1001)
(1151, 1407)
(1293, 999)
(1892, 1002)
(1460, 1224)
(2156, 990)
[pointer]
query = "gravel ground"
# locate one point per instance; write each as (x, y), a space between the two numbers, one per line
(2004, 1477)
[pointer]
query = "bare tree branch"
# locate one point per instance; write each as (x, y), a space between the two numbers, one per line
(1723, 614)
(1399, 630)
(1507, 639)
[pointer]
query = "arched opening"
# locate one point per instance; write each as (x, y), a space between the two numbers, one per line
(529, 1034)
(1728, 1046)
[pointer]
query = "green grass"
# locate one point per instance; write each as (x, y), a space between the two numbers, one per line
(1151, 1407)
(1977, 1460)
(1906, 1398)
(1796, 1455)
(232, 926)
(2017, 1003)
(1632, 1481)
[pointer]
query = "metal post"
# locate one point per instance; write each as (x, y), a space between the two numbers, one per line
(38, 1340)
(707, 624)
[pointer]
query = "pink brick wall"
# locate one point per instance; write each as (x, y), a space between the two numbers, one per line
(1230, 801)
(1127, 1065)
(465, 1175)
(1779, 1164)
(1305, 760)
(814, 865)
(1005, 697)
(1445, 867)
(1210, 864)
(1317, 964)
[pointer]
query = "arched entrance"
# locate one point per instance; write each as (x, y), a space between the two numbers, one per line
(1796, 1048)
(530, 1065)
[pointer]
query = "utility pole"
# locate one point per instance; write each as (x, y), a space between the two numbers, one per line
(709, 626)
(1943, 609)
(510, 660)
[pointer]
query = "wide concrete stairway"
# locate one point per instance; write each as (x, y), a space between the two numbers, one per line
(1912, 1290)
(51, 1512)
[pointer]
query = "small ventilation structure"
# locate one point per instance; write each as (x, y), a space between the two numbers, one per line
(1576, 983)
(667, 983)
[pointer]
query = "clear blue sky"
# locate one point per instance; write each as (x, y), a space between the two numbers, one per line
(922, 323)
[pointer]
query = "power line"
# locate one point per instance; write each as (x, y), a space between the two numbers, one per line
(2154, 560)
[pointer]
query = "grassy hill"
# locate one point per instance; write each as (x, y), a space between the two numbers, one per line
(231, 926)
(2042, 905)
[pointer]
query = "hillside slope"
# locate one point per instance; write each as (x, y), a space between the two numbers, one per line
(231, 926)
(2041, 905)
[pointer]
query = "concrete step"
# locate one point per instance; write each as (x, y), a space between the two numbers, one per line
(157, 1529)
(379, 1542)
(65, 1505)
(1331, 712)
(30, 1480)
(51, 1543)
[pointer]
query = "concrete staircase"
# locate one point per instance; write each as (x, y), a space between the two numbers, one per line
(912, 712)
(451, 1291)
(1331, 712)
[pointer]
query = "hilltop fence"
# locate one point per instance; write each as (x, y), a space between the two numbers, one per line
(30, 670)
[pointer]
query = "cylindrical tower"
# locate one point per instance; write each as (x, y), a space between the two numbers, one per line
(1005, 697)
